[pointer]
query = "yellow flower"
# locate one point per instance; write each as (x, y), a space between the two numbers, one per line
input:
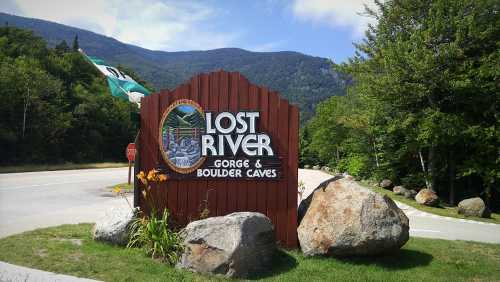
(162, 178)
(117, 190)
(142, 177)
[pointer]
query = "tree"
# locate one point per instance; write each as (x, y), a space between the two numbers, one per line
(62, 48)
(76, 46)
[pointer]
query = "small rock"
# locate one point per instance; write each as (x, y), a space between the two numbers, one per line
(114, 226)
(386, 184)
(427, 197)
(317, 167)
(399, 190)
(342, 218)
(473, 207)
(307, 166)
(325, 168)
(410, 194)
(235, 245)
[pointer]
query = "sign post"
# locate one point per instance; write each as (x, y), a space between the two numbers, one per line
(130, 152)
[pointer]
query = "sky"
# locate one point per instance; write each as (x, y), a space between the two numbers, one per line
(324, 28)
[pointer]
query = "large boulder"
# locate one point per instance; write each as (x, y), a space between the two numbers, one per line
(114, 226)
(386, 184)
(343, 218)
(427, 197)
(473, 207)
(235, 245)
(399, 190)
(410, 194)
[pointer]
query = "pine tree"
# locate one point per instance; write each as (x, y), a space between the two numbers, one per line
(76, 46)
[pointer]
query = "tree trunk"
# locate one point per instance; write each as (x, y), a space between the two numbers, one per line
(427, 184)
(431, 163)
(25, 111)
(375, 153)
(451, 178)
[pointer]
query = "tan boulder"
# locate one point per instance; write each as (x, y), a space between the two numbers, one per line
(342, 218)
(427, 197)
(473, 207)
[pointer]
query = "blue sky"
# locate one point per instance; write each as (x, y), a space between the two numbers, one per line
(324, 28)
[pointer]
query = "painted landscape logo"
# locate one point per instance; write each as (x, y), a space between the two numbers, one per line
(181, 128)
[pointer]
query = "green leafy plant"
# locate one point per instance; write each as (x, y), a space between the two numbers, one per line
(154, 236)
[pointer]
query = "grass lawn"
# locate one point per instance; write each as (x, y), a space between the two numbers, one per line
(127, 188)
(69, 249)
(28, 168)
(439, 210)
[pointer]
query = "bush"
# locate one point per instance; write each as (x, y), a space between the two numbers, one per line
(355, 165)
(414, 181)
(156, 238)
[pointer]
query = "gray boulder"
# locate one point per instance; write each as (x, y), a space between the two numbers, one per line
(307, 166)
(343, 218)
(410, 194)
(473, 207)
(317, 167)
(325, 168)
(235, 245)
(113, 228)
(427, 197)
(386, 184)
(399, 190)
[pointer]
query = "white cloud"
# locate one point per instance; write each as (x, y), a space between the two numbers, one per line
(153, 24)
(335, 13)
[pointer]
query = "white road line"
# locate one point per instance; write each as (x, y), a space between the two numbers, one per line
(45, 184)
(424, 230)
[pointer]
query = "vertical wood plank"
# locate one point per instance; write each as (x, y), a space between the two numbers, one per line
(232, 189)
(263, 188)
(183, 187)
(213, 190)
(173, 184)
(293, 159)
(222, 192)
(242, 105)
(282, 144)
(204, 92)
(254, 187)
(273, 186)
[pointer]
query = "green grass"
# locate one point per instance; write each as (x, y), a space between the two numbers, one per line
(28, 168)
(127, 188)
(439, 210)
(56, 249)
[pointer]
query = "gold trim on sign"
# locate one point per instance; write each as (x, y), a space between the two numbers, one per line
(160, 139)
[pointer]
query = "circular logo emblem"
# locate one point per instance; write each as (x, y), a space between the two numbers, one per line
(181, 127)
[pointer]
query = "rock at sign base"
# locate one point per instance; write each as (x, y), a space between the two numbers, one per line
(343, 218)
(113, 228)
(399, 190)
(473, 207)
(427, 197)
(236, 245)
(386, 184)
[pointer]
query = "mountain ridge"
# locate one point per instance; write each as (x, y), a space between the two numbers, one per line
(304, 80)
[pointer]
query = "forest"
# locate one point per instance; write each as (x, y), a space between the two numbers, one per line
(423, 108)
(56, 106)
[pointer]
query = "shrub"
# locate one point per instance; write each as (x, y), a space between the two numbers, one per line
(155, 237)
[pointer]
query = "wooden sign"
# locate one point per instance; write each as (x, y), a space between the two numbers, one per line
(226, 145)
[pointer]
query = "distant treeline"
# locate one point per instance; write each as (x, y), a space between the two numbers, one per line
(424, 108)
(55, 106)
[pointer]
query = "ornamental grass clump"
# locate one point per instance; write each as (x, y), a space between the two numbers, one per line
(152, 232)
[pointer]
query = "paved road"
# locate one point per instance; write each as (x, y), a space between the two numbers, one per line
(423, 224)
(41, 199)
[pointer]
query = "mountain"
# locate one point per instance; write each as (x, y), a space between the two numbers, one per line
(304, 80)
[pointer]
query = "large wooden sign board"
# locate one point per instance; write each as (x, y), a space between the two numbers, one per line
(226, 145)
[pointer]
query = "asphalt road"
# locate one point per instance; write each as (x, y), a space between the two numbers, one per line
(40, 199)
